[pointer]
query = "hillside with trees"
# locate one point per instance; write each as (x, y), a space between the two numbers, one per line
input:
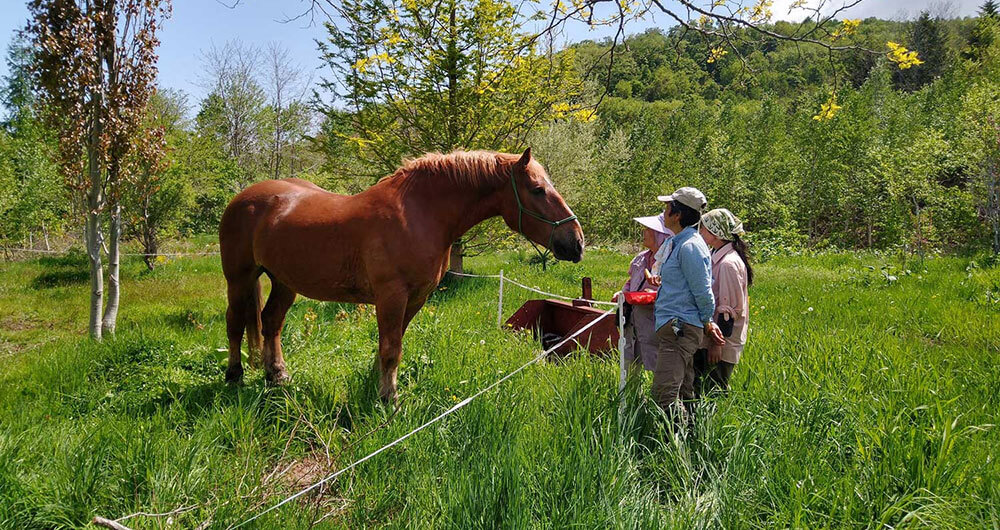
(810, 147)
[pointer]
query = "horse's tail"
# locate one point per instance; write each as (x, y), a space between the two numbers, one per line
(255, 339)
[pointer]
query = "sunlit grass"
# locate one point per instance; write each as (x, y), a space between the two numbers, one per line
(861, 402)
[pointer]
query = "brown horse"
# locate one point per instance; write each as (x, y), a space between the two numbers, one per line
(387, 246)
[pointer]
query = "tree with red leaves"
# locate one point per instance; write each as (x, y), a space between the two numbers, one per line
(95, 69)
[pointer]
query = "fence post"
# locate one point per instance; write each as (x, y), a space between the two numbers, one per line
(621, 343)
(500, 303)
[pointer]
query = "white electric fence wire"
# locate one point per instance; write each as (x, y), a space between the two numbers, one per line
(437, 418)
(532, 289)
(40, 251)
(463, 275)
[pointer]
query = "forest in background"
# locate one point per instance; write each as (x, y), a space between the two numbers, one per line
(810, 148)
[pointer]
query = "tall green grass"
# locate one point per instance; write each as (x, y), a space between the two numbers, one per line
(866, 397)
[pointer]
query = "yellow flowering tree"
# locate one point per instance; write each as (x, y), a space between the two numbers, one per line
(436, 75)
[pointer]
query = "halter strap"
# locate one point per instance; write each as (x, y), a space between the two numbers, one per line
(554, 224)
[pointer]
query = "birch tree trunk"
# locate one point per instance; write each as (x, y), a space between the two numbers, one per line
(92, 235)
(95, 203)
(114, 283)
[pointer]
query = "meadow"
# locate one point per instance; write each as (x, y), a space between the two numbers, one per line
(867, 398)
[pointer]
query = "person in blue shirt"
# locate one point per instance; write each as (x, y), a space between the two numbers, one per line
(684, 302)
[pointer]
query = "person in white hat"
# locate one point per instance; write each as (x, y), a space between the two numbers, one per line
(640, 323)
(684, 304)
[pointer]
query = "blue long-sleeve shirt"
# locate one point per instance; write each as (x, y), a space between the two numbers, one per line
(686, 281)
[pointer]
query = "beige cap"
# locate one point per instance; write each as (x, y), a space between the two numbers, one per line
(687, 196)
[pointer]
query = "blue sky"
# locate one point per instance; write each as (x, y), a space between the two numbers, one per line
(198, 24)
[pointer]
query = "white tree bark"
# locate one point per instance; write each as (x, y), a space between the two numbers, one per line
(114, 283)
(92, 235)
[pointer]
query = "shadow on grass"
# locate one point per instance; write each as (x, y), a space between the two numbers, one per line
(60, 278)
(60, 271)
(192, 319)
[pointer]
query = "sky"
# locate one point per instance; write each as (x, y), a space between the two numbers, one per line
(197, 25)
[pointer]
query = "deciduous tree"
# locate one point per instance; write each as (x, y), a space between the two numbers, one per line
(95, 64)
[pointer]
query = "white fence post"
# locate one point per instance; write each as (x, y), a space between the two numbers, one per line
(621, 341)
(500, 303)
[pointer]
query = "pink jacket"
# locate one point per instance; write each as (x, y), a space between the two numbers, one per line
(729, 285)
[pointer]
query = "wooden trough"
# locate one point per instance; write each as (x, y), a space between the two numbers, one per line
(550, 321)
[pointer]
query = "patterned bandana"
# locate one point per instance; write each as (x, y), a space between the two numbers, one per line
(722, 224)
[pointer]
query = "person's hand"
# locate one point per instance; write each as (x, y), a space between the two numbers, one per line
(714, 354)
(653, 279)
(615, 297)
(712, 330)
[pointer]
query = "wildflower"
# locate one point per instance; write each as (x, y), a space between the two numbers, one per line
(716, 54)
(810, 309)
(828, 110)
(482, 342)
(901, 56)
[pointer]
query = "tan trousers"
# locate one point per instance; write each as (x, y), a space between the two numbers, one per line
(673, 377)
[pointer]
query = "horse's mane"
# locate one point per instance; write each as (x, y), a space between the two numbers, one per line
(460, 168)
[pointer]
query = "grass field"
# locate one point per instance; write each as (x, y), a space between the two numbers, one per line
(867, 397)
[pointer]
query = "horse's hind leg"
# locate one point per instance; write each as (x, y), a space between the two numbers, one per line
(272, 320)
(236, 318)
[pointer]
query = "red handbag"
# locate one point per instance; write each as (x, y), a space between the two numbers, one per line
(640, 297)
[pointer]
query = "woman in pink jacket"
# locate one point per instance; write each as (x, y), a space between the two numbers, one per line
(731, 277)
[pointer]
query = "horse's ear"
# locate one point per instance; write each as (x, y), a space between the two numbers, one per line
(525, 158)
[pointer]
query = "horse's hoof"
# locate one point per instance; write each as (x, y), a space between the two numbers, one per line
(388, 397)
(234, 377)
(278, 378)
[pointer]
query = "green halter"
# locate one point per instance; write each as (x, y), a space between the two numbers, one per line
(554, 224)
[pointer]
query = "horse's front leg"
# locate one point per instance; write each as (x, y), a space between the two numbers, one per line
(393, 313)
(390, 312)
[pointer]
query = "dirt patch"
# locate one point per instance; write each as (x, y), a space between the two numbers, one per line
(301, 473)
(14, 323)
(296, 475)
(8, 348)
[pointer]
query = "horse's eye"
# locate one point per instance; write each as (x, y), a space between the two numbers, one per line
(537, 191)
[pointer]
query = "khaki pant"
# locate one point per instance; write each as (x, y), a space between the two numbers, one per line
(673, 377)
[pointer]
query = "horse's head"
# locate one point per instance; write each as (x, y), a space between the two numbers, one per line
(533, 207)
